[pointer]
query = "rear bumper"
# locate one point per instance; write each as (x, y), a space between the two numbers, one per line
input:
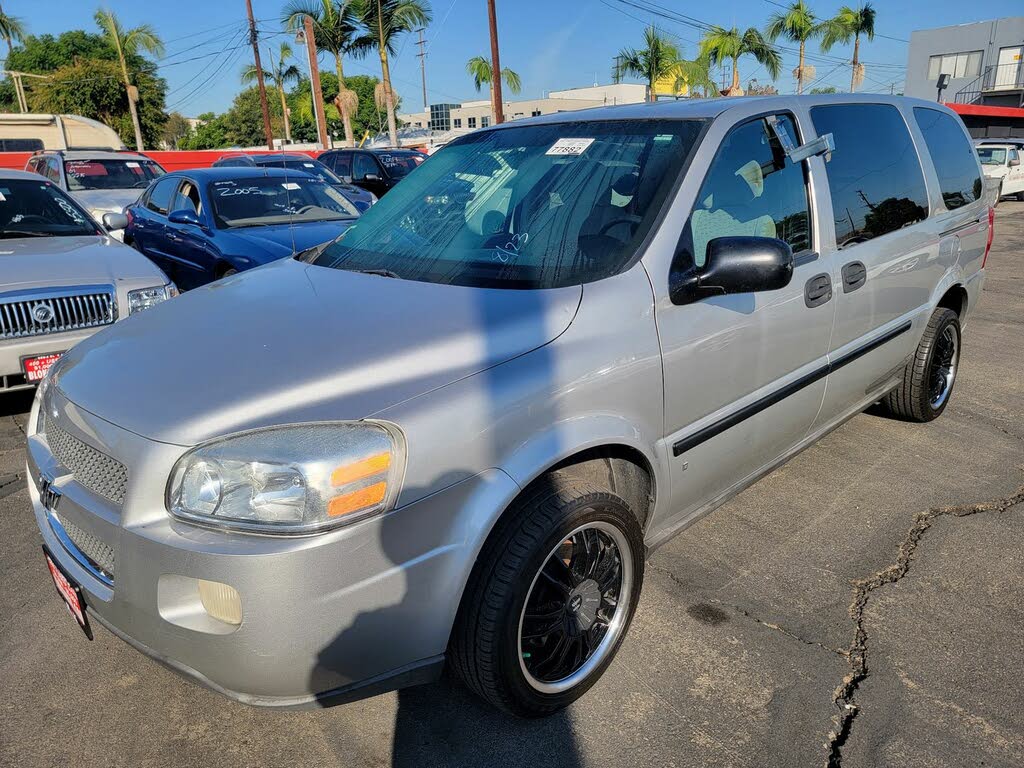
(340, 615)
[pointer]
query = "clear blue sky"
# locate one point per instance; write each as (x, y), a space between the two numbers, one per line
(552, 44)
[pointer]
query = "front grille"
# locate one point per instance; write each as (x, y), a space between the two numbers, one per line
(92, 468)
(38, 314)
(96, 551)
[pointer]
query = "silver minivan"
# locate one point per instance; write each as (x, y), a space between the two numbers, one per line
(455, 434)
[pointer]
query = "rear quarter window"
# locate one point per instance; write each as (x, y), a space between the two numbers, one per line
(955, 161)
(874, 175)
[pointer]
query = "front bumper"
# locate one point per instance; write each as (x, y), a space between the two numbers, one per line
(321, 615)
(13, 350)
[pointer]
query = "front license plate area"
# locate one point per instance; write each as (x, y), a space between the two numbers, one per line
(69, 592)
(35, 367)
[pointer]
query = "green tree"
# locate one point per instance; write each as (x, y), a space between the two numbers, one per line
(337, 31)
(826, 89)
(368, 116)
(243, 121)
(281, 73)
(92, 88)
(175, 130)
(44, 54)
(127, 42)
(209, 133)
(660, 59)
(849, 24)
(387, 21)
(479, 68)
(798, 24)
(12, 29)
(720, 45)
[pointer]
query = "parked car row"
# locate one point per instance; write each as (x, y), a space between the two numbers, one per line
(1000, 162)
(454, 434)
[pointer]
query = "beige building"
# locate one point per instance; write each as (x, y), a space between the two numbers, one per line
(470, 115)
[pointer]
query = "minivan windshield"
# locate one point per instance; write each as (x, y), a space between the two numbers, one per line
(992, 155)
(531, 206)
(308, 165)
(110, 173)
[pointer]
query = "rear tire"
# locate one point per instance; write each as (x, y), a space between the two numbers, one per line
(550, 598)
(928, 379)
(1020, 197)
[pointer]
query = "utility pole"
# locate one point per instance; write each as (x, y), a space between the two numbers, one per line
(496, 101)
(254, 38)
(314, 76)
(423, 66)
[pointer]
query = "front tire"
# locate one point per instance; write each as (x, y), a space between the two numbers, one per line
(550, 598)
(928, 380)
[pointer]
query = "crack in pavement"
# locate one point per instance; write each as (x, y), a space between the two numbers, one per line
(9, 483)
(843, 697)
(748, 615)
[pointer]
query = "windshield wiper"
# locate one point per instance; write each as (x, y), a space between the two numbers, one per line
(380, 271)
(24, 233)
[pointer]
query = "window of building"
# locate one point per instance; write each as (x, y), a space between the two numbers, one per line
(458, 122)
(967, 64)
(471, 122)
(874, 177)
(485, 121)
(535, 113)
(952, 155)
(752, 189)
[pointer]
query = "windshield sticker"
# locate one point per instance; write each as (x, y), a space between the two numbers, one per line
(511, 249)
(290, 185)
(132, 164)
(570, 147)
(70, 211)
(309, 165)
(229, 191)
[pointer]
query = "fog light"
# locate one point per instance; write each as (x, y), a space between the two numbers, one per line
(221, 601)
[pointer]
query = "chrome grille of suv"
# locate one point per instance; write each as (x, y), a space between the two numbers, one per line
(100, 554)
(92, 468)
(36, 313)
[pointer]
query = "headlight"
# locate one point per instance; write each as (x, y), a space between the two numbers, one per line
(296, 479)
(144, 298)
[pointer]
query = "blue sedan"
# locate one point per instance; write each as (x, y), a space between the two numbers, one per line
(201, 225)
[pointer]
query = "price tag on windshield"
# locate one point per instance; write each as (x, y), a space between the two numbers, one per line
(570, 147)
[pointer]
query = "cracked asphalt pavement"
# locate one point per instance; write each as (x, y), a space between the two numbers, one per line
(861, 606)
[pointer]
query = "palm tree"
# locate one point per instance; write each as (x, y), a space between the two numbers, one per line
(280, 74)
(696, 74)
(128, 42)
(658, 59)
(798, 24)
(720, 44)
(337, 31)
(480, 70)
(386, 21)
(12, 29)
(850, 24)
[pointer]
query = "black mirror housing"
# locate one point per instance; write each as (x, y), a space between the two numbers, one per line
(735, 265)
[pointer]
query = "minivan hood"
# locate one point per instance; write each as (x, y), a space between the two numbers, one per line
(292, 342)
(31, 262)
(107, 199)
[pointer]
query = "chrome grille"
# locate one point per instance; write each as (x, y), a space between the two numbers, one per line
(100, 554)
(55, 311)
(92, 468)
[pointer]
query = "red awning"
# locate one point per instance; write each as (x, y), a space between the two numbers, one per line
(983, 110)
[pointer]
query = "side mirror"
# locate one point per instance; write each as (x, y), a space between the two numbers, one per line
(1014, 162)
(114, 221)
(735, 265)
(184, 216)
(371, 177)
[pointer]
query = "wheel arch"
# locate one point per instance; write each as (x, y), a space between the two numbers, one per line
(955, 298)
